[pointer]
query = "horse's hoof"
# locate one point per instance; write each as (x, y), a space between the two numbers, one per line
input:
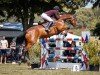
(28, 64)
(19, 63)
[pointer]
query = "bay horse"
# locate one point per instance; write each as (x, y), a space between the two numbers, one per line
(34, 33)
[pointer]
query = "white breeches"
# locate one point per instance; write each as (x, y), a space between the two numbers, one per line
(46, 17)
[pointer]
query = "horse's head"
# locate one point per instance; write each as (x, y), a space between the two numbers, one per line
(69, 17)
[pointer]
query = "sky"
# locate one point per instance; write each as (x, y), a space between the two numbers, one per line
(90, 4)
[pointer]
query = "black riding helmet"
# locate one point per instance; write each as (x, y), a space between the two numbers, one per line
(56, 8)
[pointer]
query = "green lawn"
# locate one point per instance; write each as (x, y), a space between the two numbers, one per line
(23, 69)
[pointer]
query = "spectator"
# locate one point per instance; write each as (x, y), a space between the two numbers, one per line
(20, 52)
(73, 44)
(73, 52)
(13, 51)
(83, 59)
(4, 46)
(0, 53)
(65, 44)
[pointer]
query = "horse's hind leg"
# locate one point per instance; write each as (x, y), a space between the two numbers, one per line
(31, 39)
(29, 45)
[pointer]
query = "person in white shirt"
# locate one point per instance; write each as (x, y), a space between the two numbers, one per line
(3, 47)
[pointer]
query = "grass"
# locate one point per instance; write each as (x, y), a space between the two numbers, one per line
(23, 69)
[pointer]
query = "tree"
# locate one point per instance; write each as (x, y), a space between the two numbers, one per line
(92, 49)
(96, 31)
(24, 9)
(97, 3)
(75, 4)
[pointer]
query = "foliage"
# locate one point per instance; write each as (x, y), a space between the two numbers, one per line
(96, 31)
(87, 17)
(24, 10)
(74, 4)
(34, 53)
(92, 50)
(97, 3)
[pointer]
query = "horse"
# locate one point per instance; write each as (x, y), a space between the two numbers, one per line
(33, 34)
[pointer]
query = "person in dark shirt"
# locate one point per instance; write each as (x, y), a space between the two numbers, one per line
(49, 14)
(13, 51)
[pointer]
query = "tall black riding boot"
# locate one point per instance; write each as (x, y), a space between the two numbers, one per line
(48, 26)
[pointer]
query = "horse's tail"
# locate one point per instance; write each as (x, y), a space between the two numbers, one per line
(21, 40)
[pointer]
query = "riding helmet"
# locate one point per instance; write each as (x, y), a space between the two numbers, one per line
(56, 8)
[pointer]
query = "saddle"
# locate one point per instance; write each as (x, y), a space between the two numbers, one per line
(47, 25)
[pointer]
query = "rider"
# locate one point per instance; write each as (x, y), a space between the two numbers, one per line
(51, 13)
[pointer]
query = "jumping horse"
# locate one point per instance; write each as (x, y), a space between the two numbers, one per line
(33, 34)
